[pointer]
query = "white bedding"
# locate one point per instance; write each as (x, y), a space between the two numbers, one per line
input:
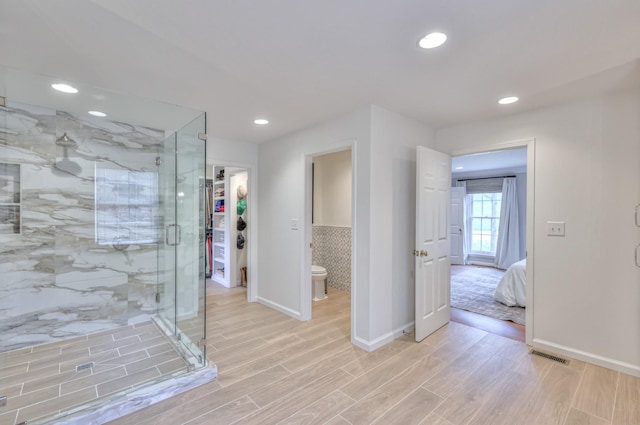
(511, 290)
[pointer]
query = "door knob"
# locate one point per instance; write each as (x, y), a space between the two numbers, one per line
(423, 253)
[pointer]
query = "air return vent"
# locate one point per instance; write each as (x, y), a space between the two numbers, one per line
(84, 366)
(550, 357)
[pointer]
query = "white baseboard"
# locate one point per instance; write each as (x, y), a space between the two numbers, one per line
(628, 368)
(480, 263)
(381, 340)
(280, 308)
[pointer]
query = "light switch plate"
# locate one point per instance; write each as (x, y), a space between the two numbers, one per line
(294, 224)
(555, 228)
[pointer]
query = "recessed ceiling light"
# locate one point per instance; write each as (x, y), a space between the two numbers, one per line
(261, 121)
(65, 88)
(508, 100)
(432, 40)
(459, 168)
(97, 114)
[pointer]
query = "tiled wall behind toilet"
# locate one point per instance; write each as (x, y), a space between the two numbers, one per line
(332, 250)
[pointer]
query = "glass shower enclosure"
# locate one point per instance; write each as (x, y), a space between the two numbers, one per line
(102, 229)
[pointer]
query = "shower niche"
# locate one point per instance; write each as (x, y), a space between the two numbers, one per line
(9, 198)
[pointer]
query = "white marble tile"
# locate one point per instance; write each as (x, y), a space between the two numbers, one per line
(109, 410)
(55, 276)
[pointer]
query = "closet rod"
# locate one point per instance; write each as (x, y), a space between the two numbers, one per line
(484, 178)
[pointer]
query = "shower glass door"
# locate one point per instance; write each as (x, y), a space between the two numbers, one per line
(181, 303)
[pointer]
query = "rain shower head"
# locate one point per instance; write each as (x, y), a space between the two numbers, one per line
(66, 141)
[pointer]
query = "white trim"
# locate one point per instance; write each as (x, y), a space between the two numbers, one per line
(530, 144)
(354, 238)
(481, 263)
(382, 340)
(280, 308)
(530, 231)
(609, 363)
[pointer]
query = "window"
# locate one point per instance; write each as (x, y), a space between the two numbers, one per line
(126, 207)
(485, 221)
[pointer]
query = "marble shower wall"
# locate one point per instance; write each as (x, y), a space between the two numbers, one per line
(332, 250)
(56, 280)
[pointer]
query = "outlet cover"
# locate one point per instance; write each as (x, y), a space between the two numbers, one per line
(555, 228)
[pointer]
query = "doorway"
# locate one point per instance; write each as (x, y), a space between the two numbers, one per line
(478, 265)
(231, 230)
(330, 224)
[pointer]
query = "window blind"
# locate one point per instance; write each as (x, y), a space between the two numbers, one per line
(484, 185)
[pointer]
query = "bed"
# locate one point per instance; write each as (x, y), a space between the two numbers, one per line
(511, 290)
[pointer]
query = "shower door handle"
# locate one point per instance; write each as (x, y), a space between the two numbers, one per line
(170, 235)
(179, 234)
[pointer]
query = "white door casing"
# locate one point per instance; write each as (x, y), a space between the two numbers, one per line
(432, 249)
(457, 225)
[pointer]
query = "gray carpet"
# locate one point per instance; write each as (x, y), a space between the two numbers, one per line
(472, 289)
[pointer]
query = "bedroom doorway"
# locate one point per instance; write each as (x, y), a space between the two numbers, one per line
(489, 232)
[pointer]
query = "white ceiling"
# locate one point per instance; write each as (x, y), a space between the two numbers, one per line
(299, 62)
(505, 161)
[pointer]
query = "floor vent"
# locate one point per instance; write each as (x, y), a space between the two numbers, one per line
(84, 366)
(550, 357)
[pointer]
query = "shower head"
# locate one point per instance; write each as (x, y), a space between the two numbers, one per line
(66, 141)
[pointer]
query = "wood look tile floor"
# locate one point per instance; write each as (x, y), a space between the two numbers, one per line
(42, 381)
(276, 370)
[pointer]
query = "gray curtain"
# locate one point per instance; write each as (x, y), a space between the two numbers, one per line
(508, 246)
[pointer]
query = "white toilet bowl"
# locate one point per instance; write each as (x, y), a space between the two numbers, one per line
(318, 278)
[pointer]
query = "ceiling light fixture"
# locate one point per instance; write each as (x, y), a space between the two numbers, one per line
(261, 121)
(432, 40)
(97, 114)
(459, 168)
(508, 100)
(64, 88)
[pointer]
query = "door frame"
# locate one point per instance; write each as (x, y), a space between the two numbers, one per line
(530, 225)
(464, 226)
(307, 226)
(252, 236)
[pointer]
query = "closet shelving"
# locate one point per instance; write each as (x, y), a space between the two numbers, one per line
(220, 222)
(228, 262)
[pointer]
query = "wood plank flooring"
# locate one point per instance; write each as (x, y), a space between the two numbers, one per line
(503, 328)
(276, 370)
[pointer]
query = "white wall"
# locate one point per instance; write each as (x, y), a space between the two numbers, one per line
(394, 139)
(587, 173)
(225, 152)
(282, 190)
(384, 175)
(332, 189)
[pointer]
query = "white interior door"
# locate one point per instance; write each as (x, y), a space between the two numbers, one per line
(432, 265)
(457, 225)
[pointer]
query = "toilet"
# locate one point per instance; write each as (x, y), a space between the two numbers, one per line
(318, 280)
